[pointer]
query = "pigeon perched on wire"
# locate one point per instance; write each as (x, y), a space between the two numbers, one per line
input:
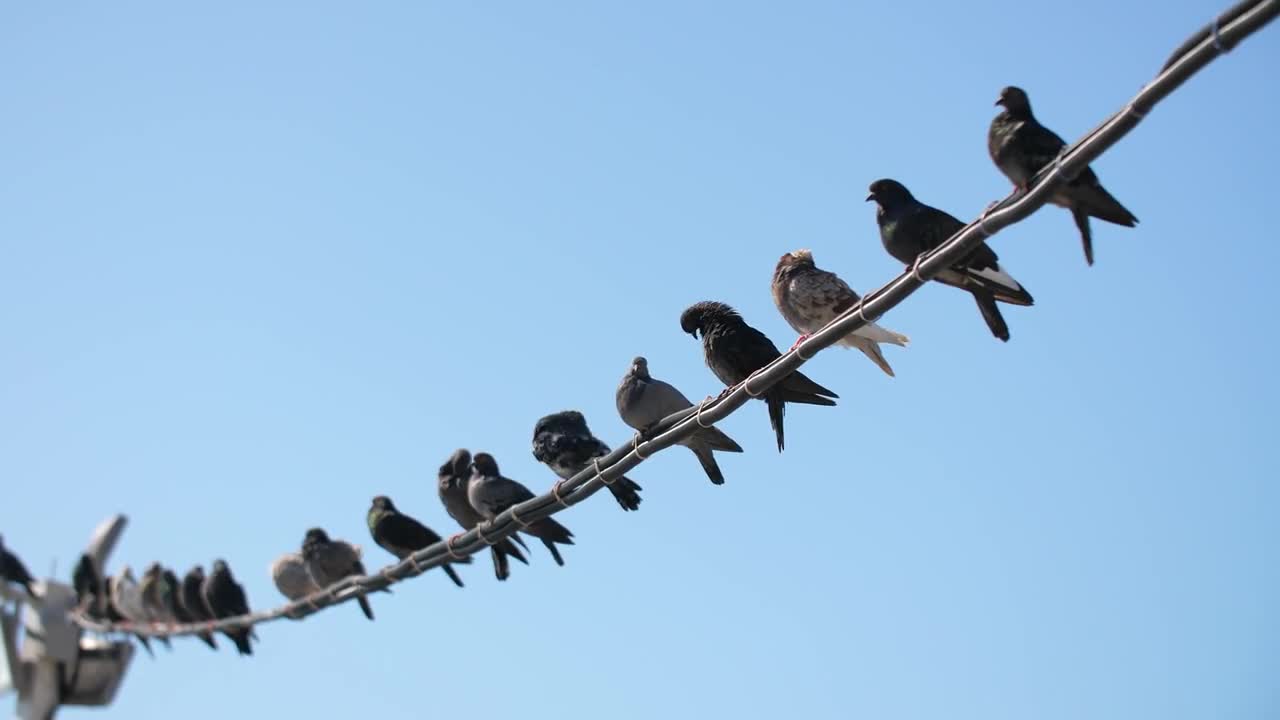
(191, 601)
(563, 442)
(490, 494)
(289, 573)
(1020, 147)
(171, 600)
(451, 483)
(149, 588)
(401, 535)
(643, 400)
(909, 228)
(12, 570)
(809, 297)
(224, 598)
(126, 599)
(90, 592)
(734, 350)
(329, 561)
(111, 613)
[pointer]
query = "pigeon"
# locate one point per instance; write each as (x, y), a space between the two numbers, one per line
(149, 589)
(224, 598)
(643, 400)
(12, 570)
(452, 486)
(909, 228)
(809, 298)
(289, 573)
(734, 350)
(171, 599)
(90, 594)
(401, 535)
(1020, 147)
(329, 561)
(126, 598)
(191, 600)
(563, 442)
(490, 494)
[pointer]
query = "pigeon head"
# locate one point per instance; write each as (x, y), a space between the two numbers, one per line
(382, 502)
(316, 535)
(457, 464)
(126, 573)
(196, 571)
(640, 367)
(794, 260)
(567, 421)
(1014, 99)
(485, 465)
(889, 193)
(700, 316)
(169, 577)
(153, 570)
(220, 566)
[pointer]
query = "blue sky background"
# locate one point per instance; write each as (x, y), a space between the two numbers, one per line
(261, 263)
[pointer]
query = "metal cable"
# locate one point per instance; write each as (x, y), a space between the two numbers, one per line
(1224, 33)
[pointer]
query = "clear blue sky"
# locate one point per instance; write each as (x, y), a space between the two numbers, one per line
(259, 264)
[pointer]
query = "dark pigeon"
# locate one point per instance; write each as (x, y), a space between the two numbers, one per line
(909, 228)
(734, 350)
(644, 400)
(1020, 147)
(490, 494)
(451, 483)
(191, 601)
(12, 570)
(171, 597)
(224, 598)
(90, 592)
(329, 561)
(563, 442)
(402, 535)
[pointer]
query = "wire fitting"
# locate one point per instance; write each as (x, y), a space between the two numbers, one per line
(697, 417)
(555, 493)
(1217, 38)
(448, 546)
(635, 447)
(595, 463)
(746, 385)
(516, 519)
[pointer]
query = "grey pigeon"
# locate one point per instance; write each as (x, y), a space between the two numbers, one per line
(329, 561)
(733, 350)
(12, 570)
(809, 297)
(563, 442)
(171, 599)
(451, 483)
(192, 602)
(490, 494)
(150, 588)
(909, 228)
(224, 598)
(643, 400)
(1020, 147)
(126, 599)
(401, 535)
(289, 573)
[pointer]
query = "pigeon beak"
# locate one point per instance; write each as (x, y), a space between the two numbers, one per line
(999, 102)
(871, 197)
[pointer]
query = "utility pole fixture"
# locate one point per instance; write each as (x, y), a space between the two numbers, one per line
(56, 664)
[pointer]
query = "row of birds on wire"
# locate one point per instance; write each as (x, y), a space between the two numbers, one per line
(473, 490)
